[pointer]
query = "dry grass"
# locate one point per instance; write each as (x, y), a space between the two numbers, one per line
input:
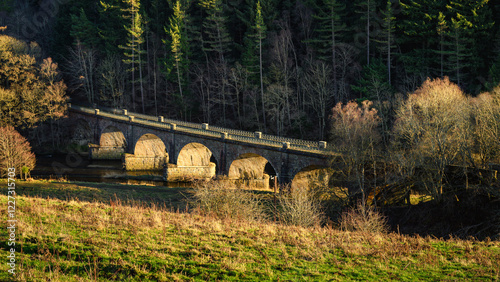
(299, 206)
(363, 218)
(73, 240)
(219, 199)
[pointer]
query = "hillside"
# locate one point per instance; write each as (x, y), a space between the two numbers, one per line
(103, 239)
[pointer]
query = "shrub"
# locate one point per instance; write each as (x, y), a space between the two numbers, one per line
(15, 152)
(301, 207)
(217, 198)
(363, 218)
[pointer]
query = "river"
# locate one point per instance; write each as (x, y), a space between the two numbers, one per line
(74, 167)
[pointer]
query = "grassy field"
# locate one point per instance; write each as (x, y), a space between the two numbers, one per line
(85, 231)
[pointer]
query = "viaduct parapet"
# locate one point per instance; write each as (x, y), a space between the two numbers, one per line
(190, 150)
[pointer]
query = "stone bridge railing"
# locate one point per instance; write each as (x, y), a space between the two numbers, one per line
(205, 129)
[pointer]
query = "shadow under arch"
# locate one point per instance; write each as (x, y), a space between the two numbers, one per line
(251, 166)
(150, 145)
(112, 137)
(196, 155)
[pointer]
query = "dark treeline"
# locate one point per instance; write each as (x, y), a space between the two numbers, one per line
(275, 66)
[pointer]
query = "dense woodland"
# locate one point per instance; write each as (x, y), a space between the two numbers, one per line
(275, 66)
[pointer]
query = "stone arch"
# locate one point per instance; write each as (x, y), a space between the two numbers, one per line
(251, 166)
(150, 153)
(81, 133)
(150, 145)
(311, 176)
(111, 136)
(196, 154)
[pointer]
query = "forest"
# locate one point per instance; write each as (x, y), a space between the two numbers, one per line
(274, 66)
(406, 93)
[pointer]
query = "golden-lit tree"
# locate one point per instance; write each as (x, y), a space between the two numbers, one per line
(486, 114)
(30, 92)
(354, 131)
(15, 152)
(432, 129)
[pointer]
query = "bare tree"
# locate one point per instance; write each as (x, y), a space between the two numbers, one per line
(433, 125)
(486, 114)
(112, 79)
(81, 67)
(283, 70)
(319, 92)
(276, 99)
(15, 151)
(354, 133)
(347, 69)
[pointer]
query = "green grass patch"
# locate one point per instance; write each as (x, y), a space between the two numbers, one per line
(173, 198)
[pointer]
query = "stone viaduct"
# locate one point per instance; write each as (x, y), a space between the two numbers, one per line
(189, 150)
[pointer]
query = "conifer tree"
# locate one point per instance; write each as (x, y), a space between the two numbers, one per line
(216, 44)
(179, 49)
(216, 37)
(419, 34)
(386, 39)
(111, 25)
(330, 29)
(84, 31)
(367, 8)
(259, 35)
(471, 23)
(133, 48)
(441, 30)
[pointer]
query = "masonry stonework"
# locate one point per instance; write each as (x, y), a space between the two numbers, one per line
(224, 150)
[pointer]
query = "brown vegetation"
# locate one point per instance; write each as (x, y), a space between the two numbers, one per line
(218, 199)
(15, 152)
(67, 240)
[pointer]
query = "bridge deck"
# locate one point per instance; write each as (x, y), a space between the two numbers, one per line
(210, 131)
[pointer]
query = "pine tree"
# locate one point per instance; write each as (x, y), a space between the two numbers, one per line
(179, 48)
(367, 9)
(111, 22)
(84, 31)
(330, 29)
(471, 23)
(259, 35)
(441, 30)
(386, 39)
(133, 48)
(216, 37)
(419, 28)
(460, 54)
(216, 45)
(463, 39)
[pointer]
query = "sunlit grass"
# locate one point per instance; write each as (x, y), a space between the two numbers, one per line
(93, 238)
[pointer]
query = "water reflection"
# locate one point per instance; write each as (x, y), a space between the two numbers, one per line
(103, 171)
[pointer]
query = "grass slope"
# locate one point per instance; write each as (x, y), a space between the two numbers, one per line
(72, 239)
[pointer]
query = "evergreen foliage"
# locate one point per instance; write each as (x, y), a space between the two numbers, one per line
(215, 60)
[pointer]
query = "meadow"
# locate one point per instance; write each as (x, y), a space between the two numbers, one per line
(103, 232)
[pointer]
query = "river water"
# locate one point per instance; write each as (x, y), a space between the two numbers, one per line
(74, 167)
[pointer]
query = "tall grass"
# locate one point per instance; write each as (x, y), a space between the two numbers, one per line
(363, 218)
(300, 206)
(82, 241)
(114, 240)
(219, 199)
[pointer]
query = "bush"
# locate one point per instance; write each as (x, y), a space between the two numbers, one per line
(217, 198)
(301, 207)
(15, 152)
(363, 218)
